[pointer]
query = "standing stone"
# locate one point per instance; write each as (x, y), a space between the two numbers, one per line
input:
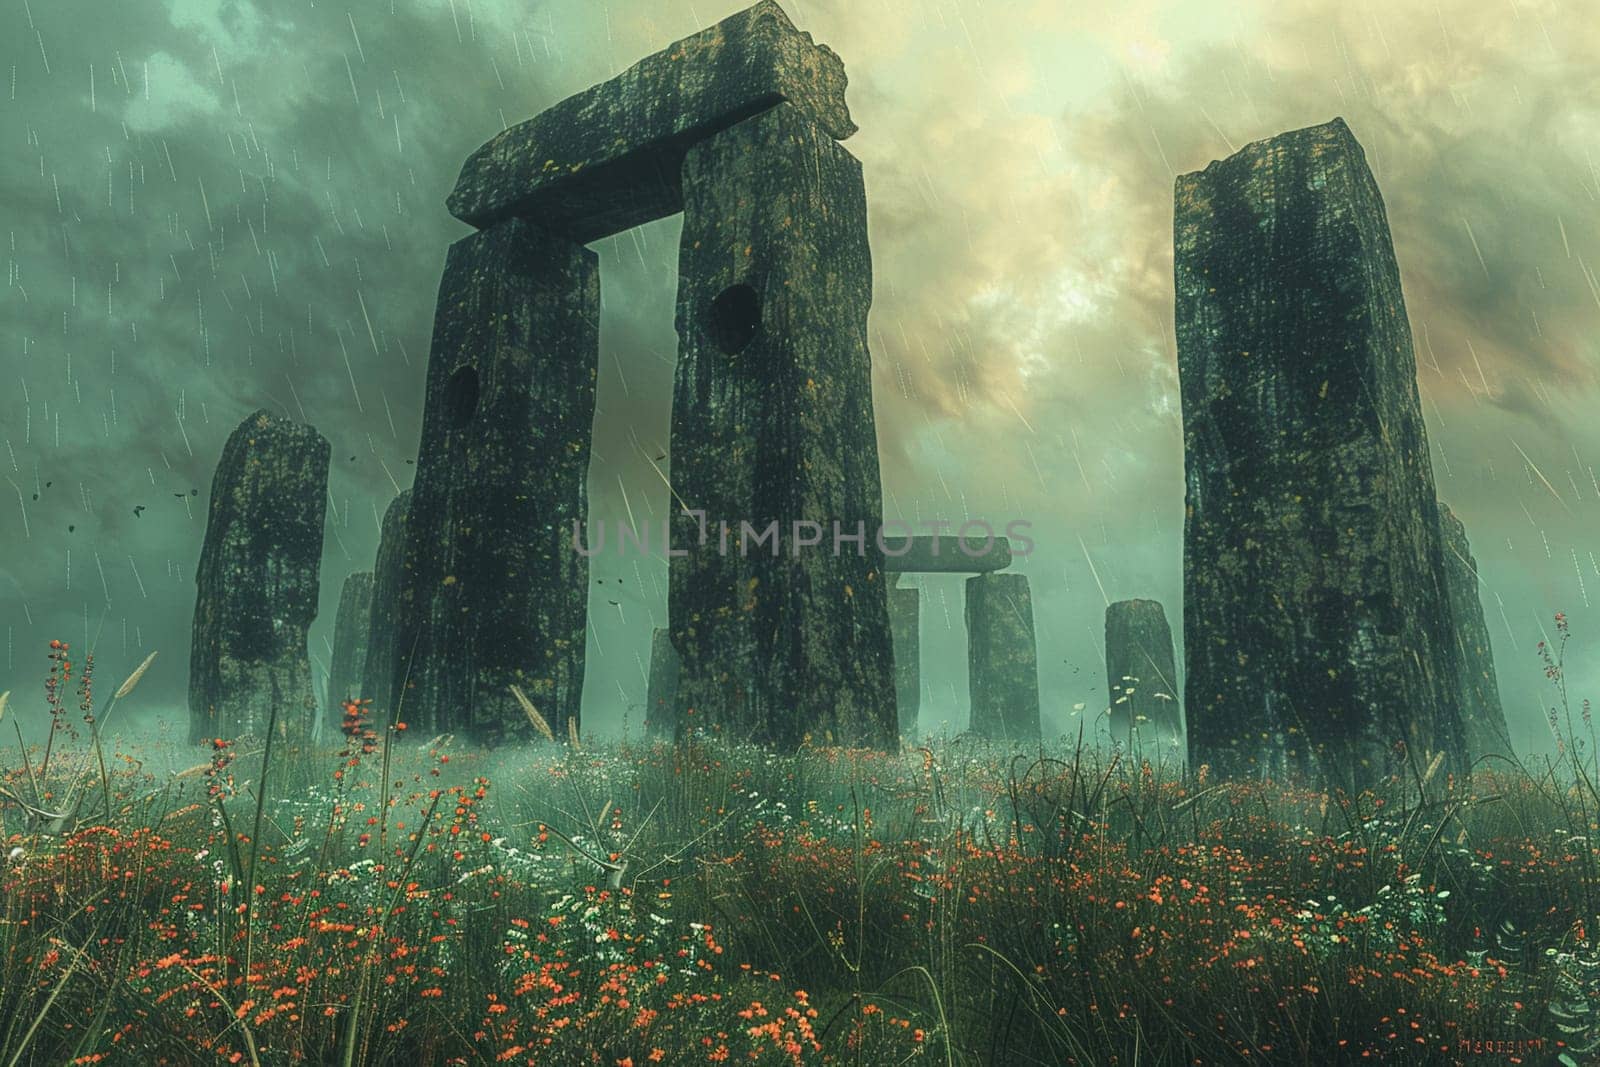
(773, 427)
(1002, 658)
(1142, 678)
(1317, 628)
(905, 627)
(494, 591)
(351, 634)
(378, 674)
(1483, 718)
(660, 717)
(257, 583)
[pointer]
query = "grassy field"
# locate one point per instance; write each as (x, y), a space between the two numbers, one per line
(412, 900)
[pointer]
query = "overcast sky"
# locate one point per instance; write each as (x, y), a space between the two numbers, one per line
(210, 206)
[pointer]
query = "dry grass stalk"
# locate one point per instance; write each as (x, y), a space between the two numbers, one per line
(1433, 768)
(572, 733)
(133, 679)
(5, 698)
(540, 727)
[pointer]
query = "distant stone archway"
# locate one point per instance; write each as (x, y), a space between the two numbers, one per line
(1002, 649)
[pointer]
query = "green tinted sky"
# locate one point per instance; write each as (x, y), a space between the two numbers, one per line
(204, 203)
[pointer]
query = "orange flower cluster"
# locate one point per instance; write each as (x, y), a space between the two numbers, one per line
(357, 727)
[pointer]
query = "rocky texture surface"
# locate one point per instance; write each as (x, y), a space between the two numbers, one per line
(661, 699)
(1316, 624)
(351, 634)
(610, 157)
(1142, 679)
(378, 673)
(905, 627)
(257, 583)
(945, 555)
(773, 422)
(1483, 718)
(493, 591)
(1002, 658)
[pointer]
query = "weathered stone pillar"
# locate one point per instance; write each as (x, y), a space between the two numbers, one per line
(905, 626)
(377, 677)
(494, 592)
(351, 632)
(661, 699)
(1483, 718)
(257, 583)
(772, 423)
(1142, 679)
(1002, 658)
(1316, 626)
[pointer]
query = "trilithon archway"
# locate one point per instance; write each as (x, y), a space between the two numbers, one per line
(738, 128)
(1002, 652)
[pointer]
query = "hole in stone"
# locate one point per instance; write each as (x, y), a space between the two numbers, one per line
(461, 396)
(735, 318)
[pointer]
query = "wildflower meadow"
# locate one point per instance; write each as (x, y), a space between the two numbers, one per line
(387, 898)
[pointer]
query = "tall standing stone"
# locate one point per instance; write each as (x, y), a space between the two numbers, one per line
(1483, 718)
(257, 583)
(1317, 628)
(1142, 678)
(661, 697)
(1002, 658)
(350, 643)
(905, 627)
(494, 592)
(382, 663)
(773, 423)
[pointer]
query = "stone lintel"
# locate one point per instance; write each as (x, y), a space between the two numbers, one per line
(939, 554)
(610, 158)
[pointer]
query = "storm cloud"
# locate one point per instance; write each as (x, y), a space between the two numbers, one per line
(217, 205)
